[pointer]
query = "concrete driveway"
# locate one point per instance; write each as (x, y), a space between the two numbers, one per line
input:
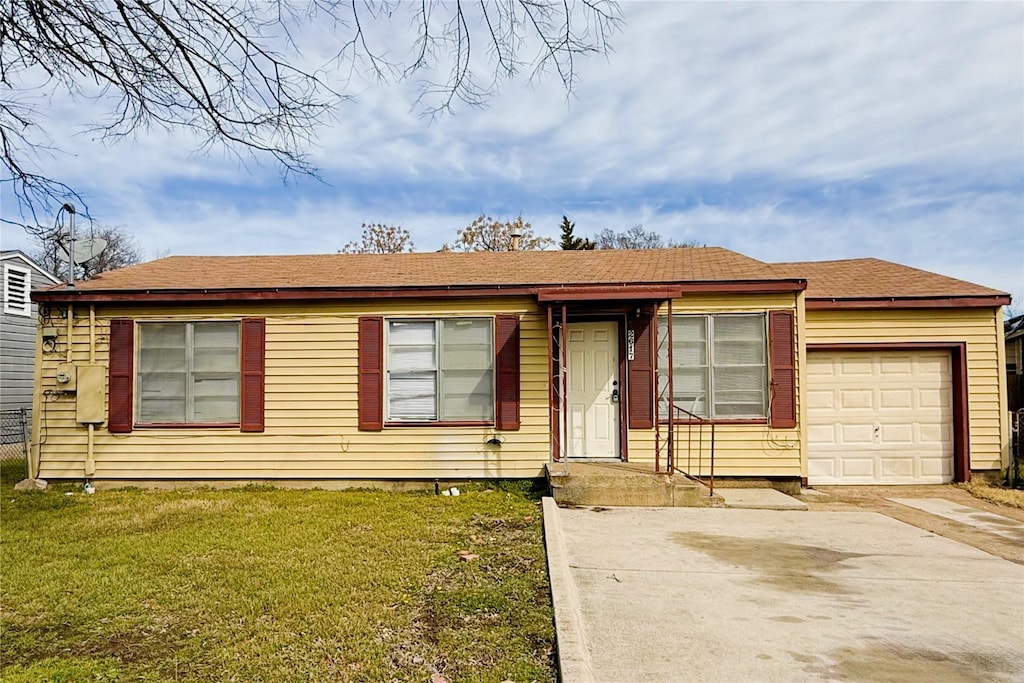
(705, 594)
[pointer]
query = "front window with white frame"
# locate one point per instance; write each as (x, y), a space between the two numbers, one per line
(719, 364)
(188, 373)
(440, 370)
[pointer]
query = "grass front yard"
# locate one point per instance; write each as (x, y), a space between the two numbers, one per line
(272, 585)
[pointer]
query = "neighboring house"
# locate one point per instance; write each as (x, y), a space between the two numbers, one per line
(1013, 330)
(491, 365)
(21, 275)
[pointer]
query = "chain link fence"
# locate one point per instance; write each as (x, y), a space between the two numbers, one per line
(1015, 472)
(15, 433)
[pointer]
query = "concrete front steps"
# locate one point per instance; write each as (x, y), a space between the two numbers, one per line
(625, 484)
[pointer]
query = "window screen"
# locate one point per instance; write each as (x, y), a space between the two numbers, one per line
(719, 366)
(188, 373)
(440, 370)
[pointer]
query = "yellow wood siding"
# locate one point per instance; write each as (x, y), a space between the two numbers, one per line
(311, 402)
(310, 405)
(977, 327)
(741, 450)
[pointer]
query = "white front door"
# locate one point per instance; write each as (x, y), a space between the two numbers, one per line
(593, 369)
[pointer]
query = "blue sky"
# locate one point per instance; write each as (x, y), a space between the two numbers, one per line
(787, 132)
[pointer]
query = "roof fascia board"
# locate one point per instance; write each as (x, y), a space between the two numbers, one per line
(564, 292)
(981, 301)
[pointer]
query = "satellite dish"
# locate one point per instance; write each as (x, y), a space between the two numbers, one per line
(85, 250)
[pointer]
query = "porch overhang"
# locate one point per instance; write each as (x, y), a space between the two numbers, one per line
(608, 293)
(663, 292)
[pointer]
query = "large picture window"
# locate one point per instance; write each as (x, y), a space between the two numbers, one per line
(440, 370)
(719, 365)
(188, 373)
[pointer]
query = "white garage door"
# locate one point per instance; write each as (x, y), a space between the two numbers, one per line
(879, 417)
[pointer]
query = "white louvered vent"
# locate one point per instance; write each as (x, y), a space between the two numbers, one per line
(17, 285)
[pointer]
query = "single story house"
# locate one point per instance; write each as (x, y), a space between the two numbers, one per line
(486, 365)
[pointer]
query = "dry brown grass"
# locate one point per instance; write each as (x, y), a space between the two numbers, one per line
(992, 493)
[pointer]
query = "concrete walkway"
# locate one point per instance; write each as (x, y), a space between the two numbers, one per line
(691, 594)
(979, 519)
(759, 499)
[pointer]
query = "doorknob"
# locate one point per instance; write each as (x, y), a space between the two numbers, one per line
(615, 395)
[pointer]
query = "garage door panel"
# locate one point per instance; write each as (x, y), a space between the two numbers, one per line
(896, 365)
(935, 398)
(896, 434)
(822, 434)
(854, 467)
(880, 417)
(935, 433)
(853, 366)
(821, 398)
(822, 469)
(931, 367)
(856, 398)
(856, 434)
(936, 468)
(895, 398)
(897, 467)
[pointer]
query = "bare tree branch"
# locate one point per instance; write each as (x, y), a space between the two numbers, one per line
(231, 72)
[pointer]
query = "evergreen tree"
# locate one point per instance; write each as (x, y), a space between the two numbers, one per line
(570, 241)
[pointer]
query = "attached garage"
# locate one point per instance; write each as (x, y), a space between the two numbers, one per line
(881, 416)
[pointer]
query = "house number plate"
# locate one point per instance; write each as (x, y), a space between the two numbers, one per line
(630, 344)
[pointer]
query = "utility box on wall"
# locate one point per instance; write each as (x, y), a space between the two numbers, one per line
(90, 406)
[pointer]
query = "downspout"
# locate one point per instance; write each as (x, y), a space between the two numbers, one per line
(90, 460)
(71, 324)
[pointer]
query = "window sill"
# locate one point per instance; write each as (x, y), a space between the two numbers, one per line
(439, 423)
(188, 425)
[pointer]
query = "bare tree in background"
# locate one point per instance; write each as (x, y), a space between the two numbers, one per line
(637, 238)
(234, 74)
(487, 234)
(378, 238)
(122, 250)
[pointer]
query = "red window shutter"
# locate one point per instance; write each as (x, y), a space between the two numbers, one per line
(641, 373)
(371, 373)
(120, 375)
(781, 354)
(506, 400)
(254, 343)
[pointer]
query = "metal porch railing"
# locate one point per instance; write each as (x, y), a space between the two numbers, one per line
(697, 434)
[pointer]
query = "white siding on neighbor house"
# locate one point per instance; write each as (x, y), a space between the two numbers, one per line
(18, 339)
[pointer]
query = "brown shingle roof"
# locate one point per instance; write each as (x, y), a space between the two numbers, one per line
(871, 278)
(438, 269)
(868, 278)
